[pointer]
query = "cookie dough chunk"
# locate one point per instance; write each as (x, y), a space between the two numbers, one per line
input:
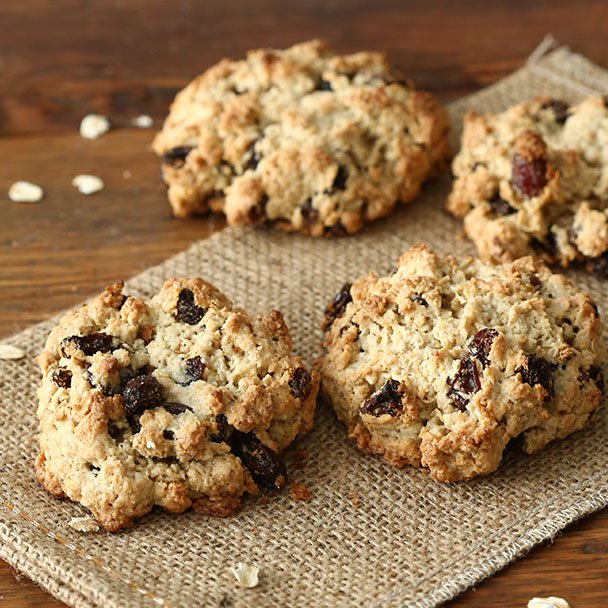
(441, 364)
(301, 138)
(182, 401)
(534, 180)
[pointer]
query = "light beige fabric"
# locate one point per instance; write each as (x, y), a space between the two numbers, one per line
(371, 535)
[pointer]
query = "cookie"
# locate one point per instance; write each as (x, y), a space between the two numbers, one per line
(441, 364)
(300, 138)
(534, 180)
(183, 401)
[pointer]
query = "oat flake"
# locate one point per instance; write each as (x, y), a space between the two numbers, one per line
(143, 121)
(10, 352)
(88, 184)
(548, 602)
(94, 125)
(25, 192)
(83, 524)
(246, 575)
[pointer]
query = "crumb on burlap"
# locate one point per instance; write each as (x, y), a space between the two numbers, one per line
(299, 491)
(354, 497)
(83, 524)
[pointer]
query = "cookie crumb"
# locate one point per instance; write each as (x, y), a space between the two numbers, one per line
(299, 459)
(548, 602)
(127, 174)
(354, 497)
(83, 524)
(143, 121)
(8, 352)
(246, 575)
(88, 184)
(93, 126)
(25, 192)
(298, 491)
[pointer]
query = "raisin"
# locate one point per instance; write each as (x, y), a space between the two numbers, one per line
(535, 281)
(339, 182)
(89, 345)
(309, 214)
(323, 85)
(336, 229)
(300, 383)
(500, 206)
(599, 265)
(537, 370)
(266, 466)
(253, 158)
(337, 306)
(466, 382)
(176, 157)
(177, 408)
(596, 310)
(62, 377)
(481, 344)
(224, 430)
(142, 393)
(595, 373)
(195, 368)
(122, 302)
(168, 435)
(258, 212)
(560, 110)
(528, 176)
(134, 424)
(416, 297)
(187, 311)
(386, 400)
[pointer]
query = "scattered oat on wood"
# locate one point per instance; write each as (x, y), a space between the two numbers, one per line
(298, 491)
(25, 192)
(88, 184)
(83, 524)
(8, 352)
(143, 121)
(246, 575)
(548, 602)
(93, 126)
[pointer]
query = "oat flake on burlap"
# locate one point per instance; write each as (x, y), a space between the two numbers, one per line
(405, 541)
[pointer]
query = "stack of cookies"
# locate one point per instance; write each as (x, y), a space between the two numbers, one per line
(186, 401)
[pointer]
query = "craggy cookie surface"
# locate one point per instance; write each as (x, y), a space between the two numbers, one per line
(184, 401)
(301, 138)
(441, 364)
(534, 180)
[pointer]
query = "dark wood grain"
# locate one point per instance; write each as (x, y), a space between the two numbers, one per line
(61, 60)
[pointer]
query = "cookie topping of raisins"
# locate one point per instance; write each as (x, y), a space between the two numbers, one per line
(337, 306)
(300, 383)
(62, 377)
(195, 368)
(92, 343)
(481, 344)
(176, 157)
(465, 383)
(537, 370)
(386, 400)
(142, 393)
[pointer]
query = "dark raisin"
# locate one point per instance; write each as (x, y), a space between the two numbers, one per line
(560, 109)
(142, 393)
(177, 408)
(253, 157)
(122, 302)
(89, 345)
(309, 214)
(224, 430)
(386, 400)
(167, 434)
(258, 212)
(481, 344)
(187, 311)
(176, 157)
(337, 306)
(596, 310)
(466, 382)
(134, 424)
(528, 176)
(416, 297)
(300, 383)
(599, 265)
(535, 281)
(62, 377)
(116, 432)
(336, 229)
(266, 466)
(195, 368)
(500, 206)
(323, 85)
(339, 182)
(537, 370)
(596, 374)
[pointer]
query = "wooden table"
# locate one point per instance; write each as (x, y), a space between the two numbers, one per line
(61, 60)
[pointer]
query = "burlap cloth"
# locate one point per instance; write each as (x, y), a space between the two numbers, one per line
(371, 534)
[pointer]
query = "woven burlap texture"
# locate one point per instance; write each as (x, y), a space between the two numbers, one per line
(371, 535)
